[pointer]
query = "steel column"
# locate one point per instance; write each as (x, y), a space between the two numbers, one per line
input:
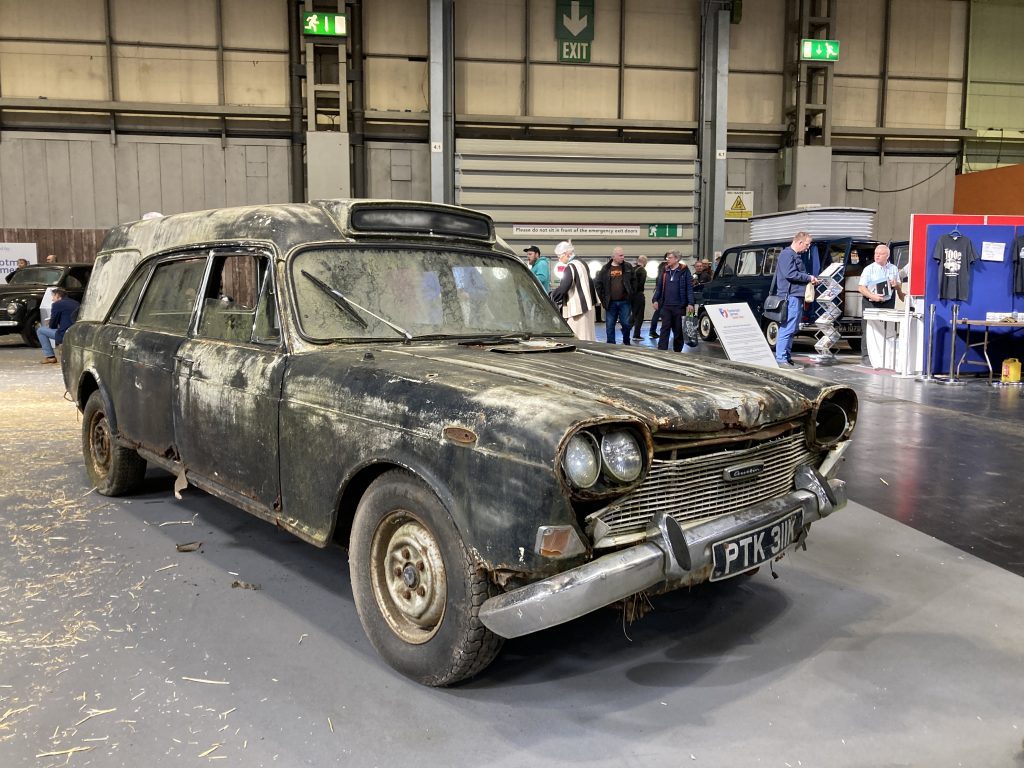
(442, 101)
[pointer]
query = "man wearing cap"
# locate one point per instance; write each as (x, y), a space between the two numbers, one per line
(575, 294)
(539, 267)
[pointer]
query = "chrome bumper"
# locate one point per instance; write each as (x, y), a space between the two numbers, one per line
(670, 554)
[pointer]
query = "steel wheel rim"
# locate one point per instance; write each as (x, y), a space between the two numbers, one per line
(408, 577)
(772, 333)
(100, 444)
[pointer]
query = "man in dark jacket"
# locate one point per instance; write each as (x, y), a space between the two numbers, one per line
(614, 286)
(673, 297)
(639, 283)
(656, 315)
(791, 281)
(63, 314)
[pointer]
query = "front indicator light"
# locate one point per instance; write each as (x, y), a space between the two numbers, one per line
(621, 455)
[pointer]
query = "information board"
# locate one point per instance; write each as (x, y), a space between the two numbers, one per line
(740, 334)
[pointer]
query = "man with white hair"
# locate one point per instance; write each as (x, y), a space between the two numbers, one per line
(575, 294)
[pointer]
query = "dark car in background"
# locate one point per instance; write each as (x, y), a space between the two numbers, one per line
(391, 377)
(21, 299)
(744, 274)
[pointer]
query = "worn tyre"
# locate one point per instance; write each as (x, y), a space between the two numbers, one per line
(28, 331)
(705, 327)
(416, 589)
(771, 333)
(113, 469)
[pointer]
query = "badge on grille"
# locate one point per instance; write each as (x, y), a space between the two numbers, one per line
(741, 471)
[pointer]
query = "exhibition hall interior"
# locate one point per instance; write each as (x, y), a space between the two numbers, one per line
(548, 382)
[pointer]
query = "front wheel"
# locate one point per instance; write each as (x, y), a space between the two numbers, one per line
(771, 333)
(113, 469)
(705, 327)
(416, 589)
(28, 332)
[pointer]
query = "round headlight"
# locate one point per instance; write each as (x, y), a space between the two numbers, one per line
(622, 458)
(12, 308)
(581, 463)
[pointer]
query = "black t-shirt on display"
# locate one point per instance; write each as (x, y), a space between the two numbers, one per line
(955, 255)
(1018, 265)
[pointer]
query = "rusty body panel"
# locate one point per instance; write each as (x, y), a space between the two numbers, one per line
(292, 397)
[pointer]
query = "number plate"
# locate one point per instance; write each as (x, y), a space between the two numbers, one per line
(852, 328)
(746, 551)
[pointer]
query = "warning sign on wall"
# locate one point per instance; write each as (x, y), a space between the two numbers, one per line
(739, 205)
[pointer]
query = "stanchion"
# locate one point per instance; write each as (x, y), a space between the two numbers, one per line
(950, 378)
(928, 377)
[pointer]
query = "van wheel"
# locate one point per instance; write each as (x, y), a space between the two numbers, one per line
(771, 333)
(705, 327)
(416, 589)
(113, 469)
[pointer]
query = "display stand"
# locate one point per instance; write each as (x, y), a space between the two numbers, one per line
(828, 308)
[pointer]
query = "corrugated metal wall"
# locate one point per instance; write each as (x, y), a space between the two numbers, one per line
(551, 187)
(86, 182)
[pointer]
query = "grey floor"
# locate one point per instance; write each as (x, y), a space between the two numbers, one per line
(878, 646)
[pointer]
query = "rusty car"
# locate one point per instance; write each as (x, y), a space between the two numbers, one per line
(391, 377)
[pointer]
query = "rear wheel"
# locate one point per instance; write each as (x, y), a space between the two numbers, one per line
(113, 469)
(417, 590)
(771, 333)
(705, 327)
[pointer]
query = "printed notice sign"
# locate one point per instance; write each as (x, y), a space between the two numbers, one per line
(740, 334)
(992, 251)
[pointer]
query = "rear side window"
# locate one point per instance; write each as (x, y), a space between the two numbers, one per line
(745, 262)
(232, 298)
(771, 258)
(122, 313)
(171, 295)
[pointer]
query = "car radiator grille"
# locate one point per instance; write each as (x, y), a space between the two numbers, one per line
(695, 488)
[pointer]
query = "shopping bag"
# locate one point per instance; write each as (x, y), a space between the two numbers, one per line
(691, 331)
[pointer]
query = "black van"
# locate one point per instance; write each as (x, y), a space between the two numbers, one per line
(744, 274)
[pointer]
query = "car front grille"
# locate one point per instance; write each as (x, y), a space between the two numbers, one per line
(695, 488)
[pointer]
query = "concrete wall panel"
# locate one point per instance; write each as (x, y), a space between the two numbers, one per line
(53, 70)
(54, 19)
(856, 101)
(12, 172)
(928, 38)
(82, 185)
(568, 91)
(662, 33)
(396, 27)
(182, 21)
(651, 94)
(168, 75)
(916, 103)
(860, 28)
(484, 88)
(255, 23)
(58, 181)
(755, 98)
(763, 22)
(490, 29)
(396, 84)
(256, 79)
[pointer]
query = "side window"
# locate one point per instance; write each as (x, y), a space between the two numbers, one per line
(268, 325)
(171, 295)
(728, 266)
(122, 313)
(229, 308)
(72, 283)
(771, 257)
(749, 262)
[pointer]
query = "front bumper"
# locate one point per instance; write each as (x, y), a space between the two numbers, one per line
(669, 555)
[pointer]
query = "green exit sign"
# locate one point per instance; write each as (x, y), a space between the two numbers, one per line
(324, 24)
(664, 230)
(819, 50)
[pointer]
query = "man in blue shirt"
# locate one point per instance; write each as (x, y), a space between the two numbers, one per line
(790, 282)
(63, 314)
(539, 267)
(879, 284)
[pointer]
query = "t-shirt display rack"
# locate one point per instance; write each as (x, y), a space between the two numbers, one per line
(960, 285)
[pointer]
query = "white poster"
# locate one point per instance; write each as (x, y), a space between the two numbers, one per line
(992, 251)
(11, 252)
(740, 334)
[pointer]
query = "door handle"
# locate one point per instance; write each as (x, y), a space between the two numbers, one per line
(118, 344)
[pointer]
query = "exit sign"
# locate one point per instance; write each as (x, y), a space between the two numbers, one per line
(570, 52)
(324, 24)
(819, 50)
(664, 230)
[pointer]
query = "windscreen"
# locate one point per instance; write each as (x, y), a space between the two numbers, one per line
(37, 275)
(388, 292)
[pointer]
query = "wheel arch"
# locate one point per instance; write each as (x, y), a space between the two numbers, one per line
(88, 383)
(359, 480)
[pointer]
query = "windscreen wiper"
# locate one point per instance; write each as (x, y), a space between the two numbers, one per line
(350, 306)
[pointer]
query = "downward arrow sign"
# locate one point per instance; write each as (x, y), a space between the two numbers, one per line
(575, 23)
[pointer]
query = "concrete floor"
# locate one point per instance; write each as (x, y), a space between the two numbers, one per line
(879, 646)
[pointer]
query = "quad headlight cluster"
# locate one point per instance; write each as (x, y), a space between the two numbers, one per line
(615, 455)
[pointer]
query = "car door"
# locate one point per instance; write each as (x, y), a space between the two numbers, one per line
(143, 353)
(228, 380)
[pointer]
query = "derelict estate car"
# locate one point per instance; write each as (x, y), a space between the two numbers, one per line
(22, 298)
(744, 274)
(392, 377)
